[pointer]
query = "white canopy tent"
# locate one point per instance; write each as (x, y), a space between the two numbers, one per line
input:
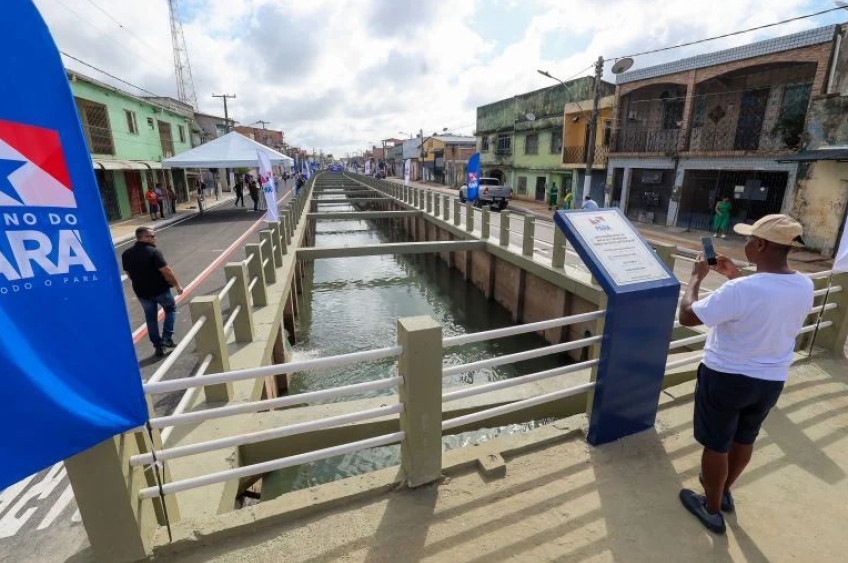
(232, 150)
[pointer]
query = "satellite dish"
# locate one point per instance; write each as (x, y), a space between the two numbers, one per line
(530, 116)
(622, 65)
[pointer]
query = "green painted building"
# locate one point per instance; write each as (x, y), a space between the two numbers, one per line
(128, 137)
(520, 138)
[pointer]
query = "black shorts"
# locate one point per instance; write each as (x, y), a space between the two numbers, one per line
(730, 407)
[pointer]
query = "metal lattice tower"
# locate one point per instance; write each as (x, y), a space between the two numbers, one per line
(182, 66)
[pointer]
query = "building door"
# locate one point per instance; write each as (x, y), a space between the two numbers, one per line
(700, 195)
(752, 111)
(107, 195)
(540, 188)
(136, 195)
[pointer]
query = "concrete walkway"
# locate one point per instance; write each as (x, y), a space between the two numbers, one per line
(689, 242)
(562, 500)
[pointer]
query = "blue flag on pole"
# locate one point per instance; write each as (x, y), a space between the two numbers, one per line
(472, 177)
(69, 378)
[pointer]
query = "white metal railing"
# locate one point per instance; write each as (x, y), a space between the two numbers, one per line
(515, 406)
(188, 397)
(820, 275)
(252, 282)
(177, 352)
(179, 419)
(459, 340)
(223, 293)
(521, 356)
(265, 262)
(265, 467)
(472, 390)
(684, 362)
(827, 290)
(229, 326)
(264, 435)
(275, 369)
(687, 341)
(248, 260)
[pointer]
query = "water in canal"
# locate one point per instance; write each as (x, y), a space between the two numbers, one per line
(352, 304)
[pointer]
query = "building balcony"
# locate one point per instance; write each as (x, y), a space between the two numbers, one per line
(646, 140)
(576, 155)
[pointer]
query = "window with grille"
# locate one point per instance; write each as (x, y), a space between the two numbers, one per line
(504, 144)
(484, 145)
(556, 141)
(132, 123)
(522, 184)
(166, 140)
(181, 131)
(531, 144)
(95, 121)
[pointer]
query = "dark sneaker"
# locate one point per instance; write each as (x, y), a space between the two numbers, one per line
(697, 505)
(727, 502)
(168, 343)
(160, 352)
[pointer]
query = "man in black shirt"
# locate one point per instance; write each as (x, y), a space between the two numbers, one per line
(152, 280)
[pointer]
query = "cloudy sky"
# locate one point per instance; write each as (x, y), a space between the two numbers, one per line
(340, 75)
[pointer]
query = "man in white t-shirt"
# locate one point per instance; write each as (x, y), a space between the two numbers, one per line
(589, 203)
(754, 320)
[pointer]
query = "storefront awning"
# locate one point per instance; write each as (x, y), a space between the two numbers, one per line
(112, 164)
(835, 153)
(151, 164)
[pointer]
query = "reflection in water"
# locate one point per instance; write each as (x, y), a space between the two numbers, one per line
(352, 304)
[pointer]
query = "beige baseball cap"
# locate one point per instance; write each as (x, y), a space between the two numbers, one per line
(777, 228)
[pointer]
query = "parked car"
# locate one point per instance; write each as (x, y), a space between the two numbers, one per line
(491, 192)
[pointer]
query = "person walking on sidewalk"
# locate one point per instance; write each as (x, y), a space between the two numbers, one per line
(754, 321)
(152, 280)
(253, 189)
(239, 189)
(589, 204)
(721, 220)
(162, 199)
(172, 199)
(152, 203)
(553, 194)
(568, 200)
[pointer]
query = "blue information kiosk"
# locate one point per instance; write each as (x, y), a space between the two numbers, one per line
(641, 294)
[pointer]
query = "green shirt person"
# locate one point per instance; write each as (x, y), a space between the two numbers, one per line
(721, 220)
(552, 196)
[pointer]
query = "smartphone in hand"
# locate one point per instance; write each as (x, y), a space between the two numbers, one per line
(709, 251)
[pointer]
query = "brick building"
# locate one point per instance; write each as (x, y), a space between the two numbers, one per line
(690, 132)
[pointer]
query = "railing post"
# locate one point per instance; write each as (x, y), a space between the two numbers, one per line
(429, 202)
(290, 222)
(270, 272)
(282, 229)
(558, 254)
(243, 325)
(504, 234)
(415, 194)
(258, 294)
(529, 235)
(456, 212)
(274, 227)
(833, 338)
(665, 252)
(446, 207)
(210, 339)
(437, 208)
(469, 217)
(420, 366)
(484, 227)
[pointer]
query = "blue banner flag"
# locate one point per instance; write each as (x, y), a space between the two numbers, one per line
(472, 177)
(69, 378)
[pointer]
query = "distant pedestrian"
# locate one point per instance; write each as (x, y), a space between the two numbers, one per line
(721, 220)
(568, 200)
(239, 189)
(199, 196)
(172, 199)
(152, 203)
(589, 203)
(253, 190)
(553, 195)
(152, 280)
(162, 199)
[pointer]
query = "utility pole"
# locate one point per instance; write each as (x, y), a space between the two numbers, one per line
(226, 111)
(593, 126)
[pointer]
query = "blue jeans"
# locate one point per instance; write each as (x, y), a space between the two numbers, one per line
(151, 314)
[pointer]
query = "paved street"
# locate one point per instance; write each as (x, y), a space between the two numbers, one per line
(42, 506)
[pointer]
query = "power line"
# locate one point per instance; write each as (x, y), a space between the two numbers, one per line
(91, 66)
(731, 34)
(122, 26)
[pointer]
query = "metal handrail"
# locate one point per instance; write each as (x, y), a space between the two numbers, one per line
(827, 290)
(178, 419)
(274, 369)
(265, 262)
(521, 356)
(452, 341)
(687, 341)
(267, 466)
(811, 328)
(472, 390)
(188, 397)
(512, 407)
(247, 260)
(261, 244)
(174, 356)
(263, 435)
(252, 283)
(229, 326)
(819, 275)
(223, 293)
(684, 361)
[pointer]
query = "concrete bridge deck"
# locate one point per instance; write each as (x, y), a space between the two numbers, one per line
(562, 500)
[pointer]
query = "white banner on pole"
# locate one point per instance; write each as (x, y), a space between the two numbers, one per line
(266, 178)
(407, 170)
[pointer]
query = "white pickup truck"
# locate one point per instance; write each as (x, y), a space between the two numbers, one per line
(491, 192)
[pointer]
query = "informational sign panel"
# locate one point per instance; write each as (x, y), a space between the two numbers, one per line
(641, 299)
(618, 247)
(69, 377)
